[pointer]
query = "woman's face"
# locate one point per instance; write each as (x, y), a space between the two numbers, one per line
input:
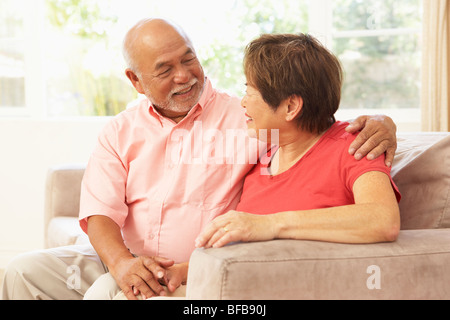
(261, 118)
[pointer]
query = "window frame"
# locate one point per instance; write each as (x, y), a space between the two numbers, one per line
(33, 18)
(320, 25)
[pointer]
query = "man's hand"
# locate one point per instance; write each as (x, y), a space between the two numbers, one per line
(176, 276)
(141, 275)
(133, 275)
(377, 136)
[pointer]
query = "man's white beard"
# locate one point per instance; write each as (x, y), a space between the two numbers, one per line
(171, 105)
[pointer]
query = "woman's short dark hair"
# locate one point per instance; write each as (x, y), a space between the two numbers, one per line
(283, 65)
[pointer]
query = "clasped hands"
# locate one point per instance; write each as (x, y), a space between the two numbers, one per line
(146, 276)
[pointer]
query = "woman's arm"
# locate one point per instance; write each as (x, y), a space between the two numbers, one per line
(373, 218)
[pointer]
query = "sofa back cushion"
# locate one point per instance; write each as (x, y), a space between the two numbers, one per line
(421, 171)
(63, 188)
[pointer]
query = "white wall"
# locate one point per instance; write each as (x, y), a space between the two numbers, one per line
(27, 149)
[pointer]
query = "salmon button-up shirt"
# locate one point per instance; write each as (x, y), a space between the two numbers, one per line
(163, 182)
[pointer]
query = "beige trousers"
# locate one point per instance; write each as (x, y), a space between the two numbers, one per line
(65, 273)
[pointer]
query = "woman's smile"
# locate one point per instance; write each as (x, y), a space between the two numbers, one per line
(249, 119)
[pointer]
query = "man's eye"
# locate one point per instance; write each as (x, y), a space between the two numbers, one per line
(189, 60)
(164, 73)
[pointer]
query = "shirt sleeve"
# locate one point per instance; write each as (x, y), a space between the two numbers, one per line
(353, 169)
(104, 182)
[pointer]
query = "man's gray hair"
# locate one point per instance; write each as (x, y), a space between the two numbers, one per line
(130, 40)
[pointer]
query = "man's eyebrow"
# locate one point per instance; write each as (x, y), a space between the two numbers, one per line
(161, 64)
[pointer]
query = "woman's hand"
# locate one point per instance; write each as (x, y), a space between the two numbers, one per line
(236, 226)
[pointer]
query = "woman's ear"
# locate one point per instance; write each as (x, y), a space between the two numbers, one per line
(294, 107)
(135, 81)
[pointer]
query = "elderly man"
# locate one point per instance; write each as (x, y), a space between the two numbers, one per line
(161, 171)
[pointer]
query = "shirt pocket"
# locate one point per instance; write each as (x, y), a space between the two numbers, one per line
(217, 185)
(205, 186)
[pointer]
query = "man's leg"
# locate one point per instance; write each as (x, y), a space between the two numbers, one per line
(104, 288)
(64, 273)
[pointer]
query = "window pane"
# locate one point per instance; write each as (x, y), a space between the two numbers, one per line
(85, 77)
(83, 62)
(12, 75)
(377, 78)
(11, 18)
(382, 68)
(245, 20)
(376, 14)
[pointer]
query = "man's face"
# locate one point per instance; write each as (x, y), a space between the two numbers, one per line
(171, 77)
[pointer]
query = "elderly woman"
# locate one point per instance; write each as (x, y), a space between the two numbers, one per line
(311, 189)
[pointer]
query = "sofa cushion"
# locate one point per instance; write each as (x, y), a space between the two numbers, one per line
(63, 188)
(413, 267)
(65, 231)
(421, 171)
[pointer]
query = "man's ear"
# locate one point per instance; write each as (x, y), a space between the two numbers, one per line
(135, 81)
(294, 107)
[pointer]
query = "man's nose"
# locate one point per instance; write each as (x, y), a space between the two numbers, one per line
(182, 75)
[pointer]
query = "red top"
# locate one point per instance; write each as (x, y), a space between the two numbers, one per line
(323, 178)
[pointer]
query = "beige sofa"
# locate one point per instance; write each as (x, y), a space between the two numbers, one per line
(417, 266)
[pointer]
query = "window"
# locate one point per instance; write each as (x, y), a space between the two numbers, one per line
(83, 58)
(377, 41)
(21, 81)
(12, 59)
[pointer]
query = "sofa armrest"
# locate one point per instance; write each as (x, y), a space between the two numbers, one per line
(414, 267)
(62, 192)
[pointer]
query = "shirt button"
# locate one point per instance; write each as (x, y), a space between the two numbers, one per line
(151, 237)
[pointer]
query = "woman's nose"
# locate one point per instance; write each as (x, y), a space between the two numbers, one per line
(243, 102)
